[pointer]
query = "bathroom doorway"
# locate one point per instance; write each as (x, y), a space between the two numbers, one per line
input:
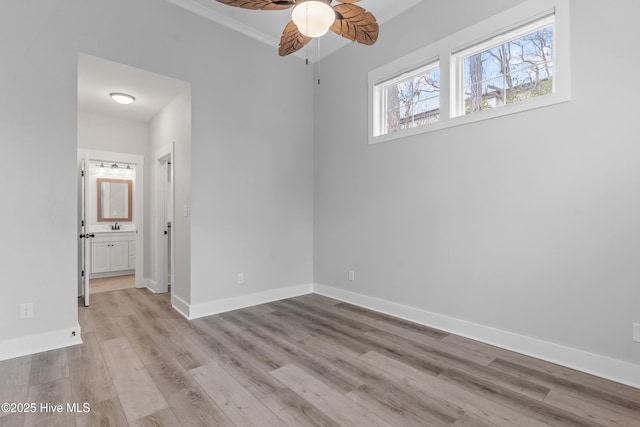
(112, 237)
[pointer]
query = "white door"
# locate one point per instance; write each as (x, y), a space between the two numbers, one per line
(165, 167)
(165, 223)
(85, 237)
(168, 217)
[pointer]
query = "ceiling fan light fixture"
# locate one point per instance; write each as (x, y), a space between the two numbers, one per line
(313, 17)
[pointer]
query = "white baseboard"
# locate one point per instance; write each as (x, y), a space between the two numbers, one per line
(38, 343)
(180, 306)
(595, 364)
(209, 308)
(112, 274)
(602, 366)
(151, 285)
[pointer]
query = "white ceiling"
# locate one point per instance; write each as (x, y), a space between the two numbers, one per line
(97, 78)
(267, 25)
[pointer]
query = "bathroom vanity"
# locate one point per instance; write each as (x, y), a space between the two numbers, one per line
(113, 253)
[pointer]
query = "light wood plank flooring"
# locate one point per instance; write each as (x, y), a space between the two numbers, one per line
(116, 283)
(306, 361)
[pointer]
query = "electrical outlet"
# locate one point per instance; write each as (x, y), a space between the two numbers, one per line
(240, 279)
(26, 310)
(636, 332)
(352, 275)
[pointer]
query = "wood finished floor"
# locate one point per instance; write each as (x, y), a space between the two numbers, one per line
(306, 361)
(108, 284)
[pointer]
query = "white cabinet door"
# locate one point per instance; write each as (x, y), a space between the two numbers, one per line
(112, 256)
(100, 257)
(119, 256)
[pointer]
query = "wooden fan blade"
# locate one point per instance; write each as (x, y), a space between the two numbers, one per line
(355, 24)
(292, 40)
(260, 4)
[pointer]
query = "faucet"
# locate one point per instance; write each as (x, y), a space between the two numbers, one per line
(115, 227)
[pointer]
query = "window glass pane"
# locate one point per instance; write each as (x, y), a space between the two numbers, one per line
(519, 69)
(413, 101)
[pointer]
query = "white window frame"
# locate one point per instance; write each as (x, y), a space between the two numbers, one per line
(447, 52)
(380, 88)
(457, 59)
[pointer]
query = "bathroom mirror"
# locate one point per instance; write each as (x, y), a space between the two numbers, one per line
(115, 199)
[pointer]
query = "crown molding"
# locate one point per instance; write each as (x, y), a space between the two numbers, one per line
(317, 49)
(219, 18)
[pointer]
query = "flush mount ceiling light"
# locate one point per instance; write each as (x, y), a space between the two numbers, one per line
(122, 98)
(313, 18)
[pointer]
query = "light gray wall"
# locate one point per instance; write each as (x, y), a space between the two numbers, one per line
(173, 124)
(105, 133)
(252, 177)
(251, 136)
(527, 223)
(38, 130)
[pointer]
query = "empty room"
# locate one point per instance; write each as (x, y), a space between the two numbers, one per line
(319, 212)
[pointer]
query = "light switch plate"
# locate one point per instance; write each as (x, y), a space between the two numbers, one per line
(636, 332)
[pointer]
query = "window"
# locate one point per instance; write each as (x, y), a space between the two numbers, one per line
(409, 100)
(515, 67)
(512, 62)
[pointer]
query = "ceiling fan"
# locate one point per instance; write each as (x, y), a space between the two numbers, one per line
(313, 18)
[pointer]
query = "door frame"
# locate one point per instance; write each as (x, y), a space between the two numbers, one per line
(84, 244)
(164, 164)
(138, 200)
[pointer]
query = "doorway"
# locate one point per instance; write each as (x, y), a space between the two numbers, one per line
(165, 224)
(160, 114)
(111, 209)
